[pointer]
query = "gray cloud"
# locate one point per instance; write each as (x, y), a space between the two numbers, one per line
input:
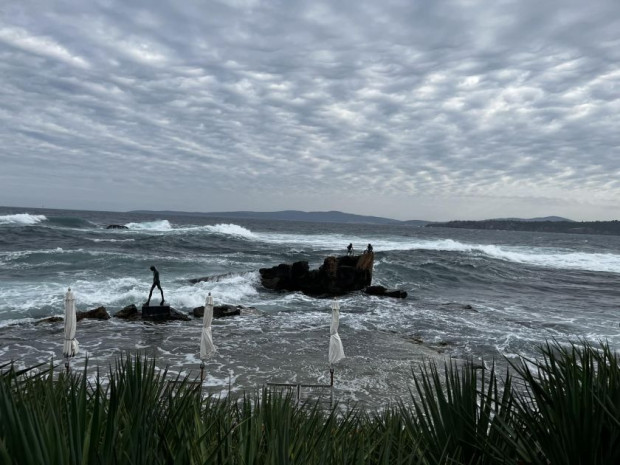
(430, 110)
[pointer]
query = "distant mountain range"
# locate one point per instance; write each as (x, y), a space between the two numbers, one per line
(292, 215)
(552, 224)
(341, 217)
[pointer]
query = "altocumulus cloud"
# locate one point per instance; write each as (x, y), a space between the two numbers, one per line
(408, 109)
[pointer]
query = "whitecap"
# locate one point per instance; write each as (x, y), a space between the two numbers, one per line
(112, 240)
(24, 219)
(157, 225)
(232, 230)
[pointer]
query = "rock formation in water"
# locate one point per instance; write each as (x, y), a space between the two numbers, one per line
(383, 292)
(337, 276)
(222, 311)
(99, 313)
(131, 313)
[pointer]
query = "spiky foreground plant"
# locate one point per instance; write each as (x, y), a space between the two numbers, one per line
(565, 410)
(569, 411)
(464, 416)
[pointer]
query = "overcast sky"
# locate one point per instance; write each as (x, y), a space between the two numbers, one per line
(408, 109)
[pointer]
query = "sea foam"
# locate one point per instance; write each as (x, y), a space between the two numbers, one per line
(538, 256)
(158, 225)
(231, 229)
(24, 219)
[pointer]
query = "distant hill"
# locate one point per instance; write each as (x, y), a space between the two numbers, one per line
(286, 215)
(415, 223)
(545, 224)
(570, 227)
(545, 218)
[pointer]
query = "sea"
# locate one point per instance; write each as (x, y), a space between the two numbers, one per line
(487, 296)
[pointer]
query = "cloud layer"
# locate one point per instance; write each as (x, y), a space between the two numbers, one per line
(431, 110)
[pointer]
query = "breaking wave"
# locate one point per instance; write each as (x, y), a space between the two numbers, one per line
(70, 222)
(24, 219)
(226, 229)
(158, 225)
(232, 230)
(538, 256)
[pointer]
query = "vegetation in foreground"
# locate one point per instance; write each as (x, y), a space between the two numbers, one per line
(563, 408)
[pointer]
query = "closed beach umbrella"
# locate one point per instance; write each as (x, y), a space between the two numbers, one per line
(336, 352)
(70, 346)
(206, 340)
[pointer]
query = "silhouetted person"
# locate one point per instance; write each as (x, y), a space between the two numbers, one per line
(350, 249)
(157, 284)
(368, 249)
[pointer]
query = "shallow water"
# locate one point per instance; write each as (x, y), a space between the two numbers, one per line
(479, 294)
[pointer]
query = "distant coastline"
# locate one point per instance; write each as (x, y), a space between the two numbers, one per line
(549, 224)
(293, 215)
(570, 227)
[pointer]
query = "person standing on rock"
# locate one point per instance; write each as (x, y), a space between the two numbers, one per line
(368, 249)
(157, 284)
(350, 249)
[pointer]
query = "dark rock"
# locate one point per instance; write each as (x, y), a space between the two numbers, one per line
(383, 292)
(130, 312)
(176, 315)
(337, 276)
(99, 313)
(116, 226)
(51, 319)
(222, 311)
(459, 306)
(172, 315)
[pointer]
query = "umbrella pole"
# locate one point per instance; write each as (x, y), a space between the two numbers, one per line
(331, 375)
(67, 364)
(202, 372)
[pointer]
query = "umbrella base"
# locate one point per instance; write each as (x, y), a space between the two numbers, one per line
(155, 312)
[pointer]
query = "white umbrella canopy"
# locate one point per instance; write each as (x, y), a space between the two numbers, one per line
(336, 351)
(70, 346)
(207, 349)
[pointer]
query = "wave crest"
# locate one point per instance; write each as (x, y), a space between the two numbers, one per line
(232, 230)
(157, 225)
(24, 219)
(537, 256)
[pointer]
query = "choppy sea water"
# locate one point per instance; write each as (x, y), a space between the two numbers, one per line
(472, 294)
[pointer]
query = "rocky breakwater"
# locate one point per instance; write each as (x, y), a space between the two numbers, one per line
(131, 313)
(337, 276)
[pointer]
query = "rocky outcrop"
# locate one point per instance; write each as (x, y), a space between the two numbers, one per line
(222, 311)
(131, 313)
(337, 276)
(116, 226)
(383, 292)
(128, 312)
(99, 313)
(50, 319)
